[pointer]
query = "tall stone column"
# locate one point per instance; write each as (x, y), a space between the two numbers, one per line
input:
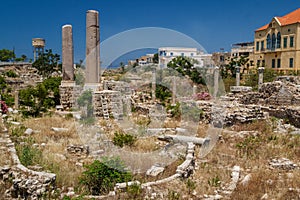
(216, 81)
(17, 99)
(174, 91)
(194, 90)
(153, 85)
(260, 76)
(67, 53)
(92, 47)
(238, 76)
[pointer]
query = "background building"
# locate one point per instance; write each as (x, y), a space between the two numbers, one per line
(277, 44)
(166, 54)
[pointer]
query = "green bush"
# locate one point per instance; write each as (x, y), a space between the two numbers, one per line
(134, 191)
(175, 110)
(29, 155)
(34, 100)
(100, 177)
(215, 181)
(121, 139)
(11, 74)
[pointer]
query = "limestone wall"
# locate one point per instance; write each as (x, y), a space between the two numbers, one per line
(68, 95)
(108, 103)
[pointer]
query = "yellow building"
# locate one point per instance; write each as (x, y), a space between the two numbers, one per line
(277, 44)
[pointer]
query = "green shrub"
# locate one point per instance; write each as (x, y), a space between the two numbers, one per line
(215, 181)
(175, 110)
(249, 146)
(121, 139)
(134, 191)
(191, 185)
(29, 155)
(100, 177)
(11, 74)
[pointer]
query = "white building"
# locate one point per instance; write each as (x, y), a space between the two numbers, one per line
(166, 54)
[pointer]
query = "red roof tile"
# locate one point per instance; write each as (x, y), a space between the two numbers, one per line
(291, 18)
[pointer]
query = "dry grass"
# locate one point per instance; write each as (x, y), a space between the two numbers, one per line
(55, 158)
(44, 125)
(146, 144)
(67, 173)
(5, 158)
(251, 152)
(218, 163)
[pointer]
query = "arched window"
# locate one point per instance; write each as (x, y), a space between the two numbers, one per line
(268, 42)
(273, 42)
(278, 42)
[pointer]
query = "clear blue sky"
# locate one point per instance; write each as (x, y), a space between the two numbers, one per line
(214, 24)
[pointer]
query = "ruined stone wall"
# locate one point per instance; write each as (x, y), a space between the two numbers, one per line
(68, 95)
(120, 86)
(108, 102)
(229, 113)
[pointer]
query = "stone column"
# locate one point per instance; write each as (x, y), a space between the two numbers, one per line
(67, 53)
(174, 91)
(92, 47)
(238, 77)
(153, 85)
(260, 76)
(216, 81)
(17, 99)
(194, 90)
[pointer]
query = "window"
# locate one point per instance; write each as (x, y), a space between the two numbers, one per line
(263, 63)
(257, 46)
(182, 54)
(285, 42)
(291, 62)
(258, 63)
(291, 41)
(171, 54)
(162, 53)
(262, 44)
(273, 42)
(268, 42)
(278, 42)
(222, 59)
(273, 63)
(192, 54)
(278, 63)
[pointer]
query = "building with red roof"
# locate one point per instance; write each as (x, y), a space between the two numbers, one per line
(277, 44)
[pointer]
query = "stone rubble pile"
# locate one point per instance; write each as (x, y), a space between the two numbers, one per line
(276, 93)
(78, 150)
(282, 163)
(229, 113)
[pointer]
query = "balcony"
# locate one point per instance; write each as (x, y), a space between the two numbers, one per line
(271, 50)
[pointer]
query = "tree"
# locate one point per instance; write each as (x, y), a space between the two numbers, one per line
(47, 63)
(185, 67)
(22, 58)
(252, 78)
(230, 68)
(6, 55)
(40, 98)
(155, 58)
